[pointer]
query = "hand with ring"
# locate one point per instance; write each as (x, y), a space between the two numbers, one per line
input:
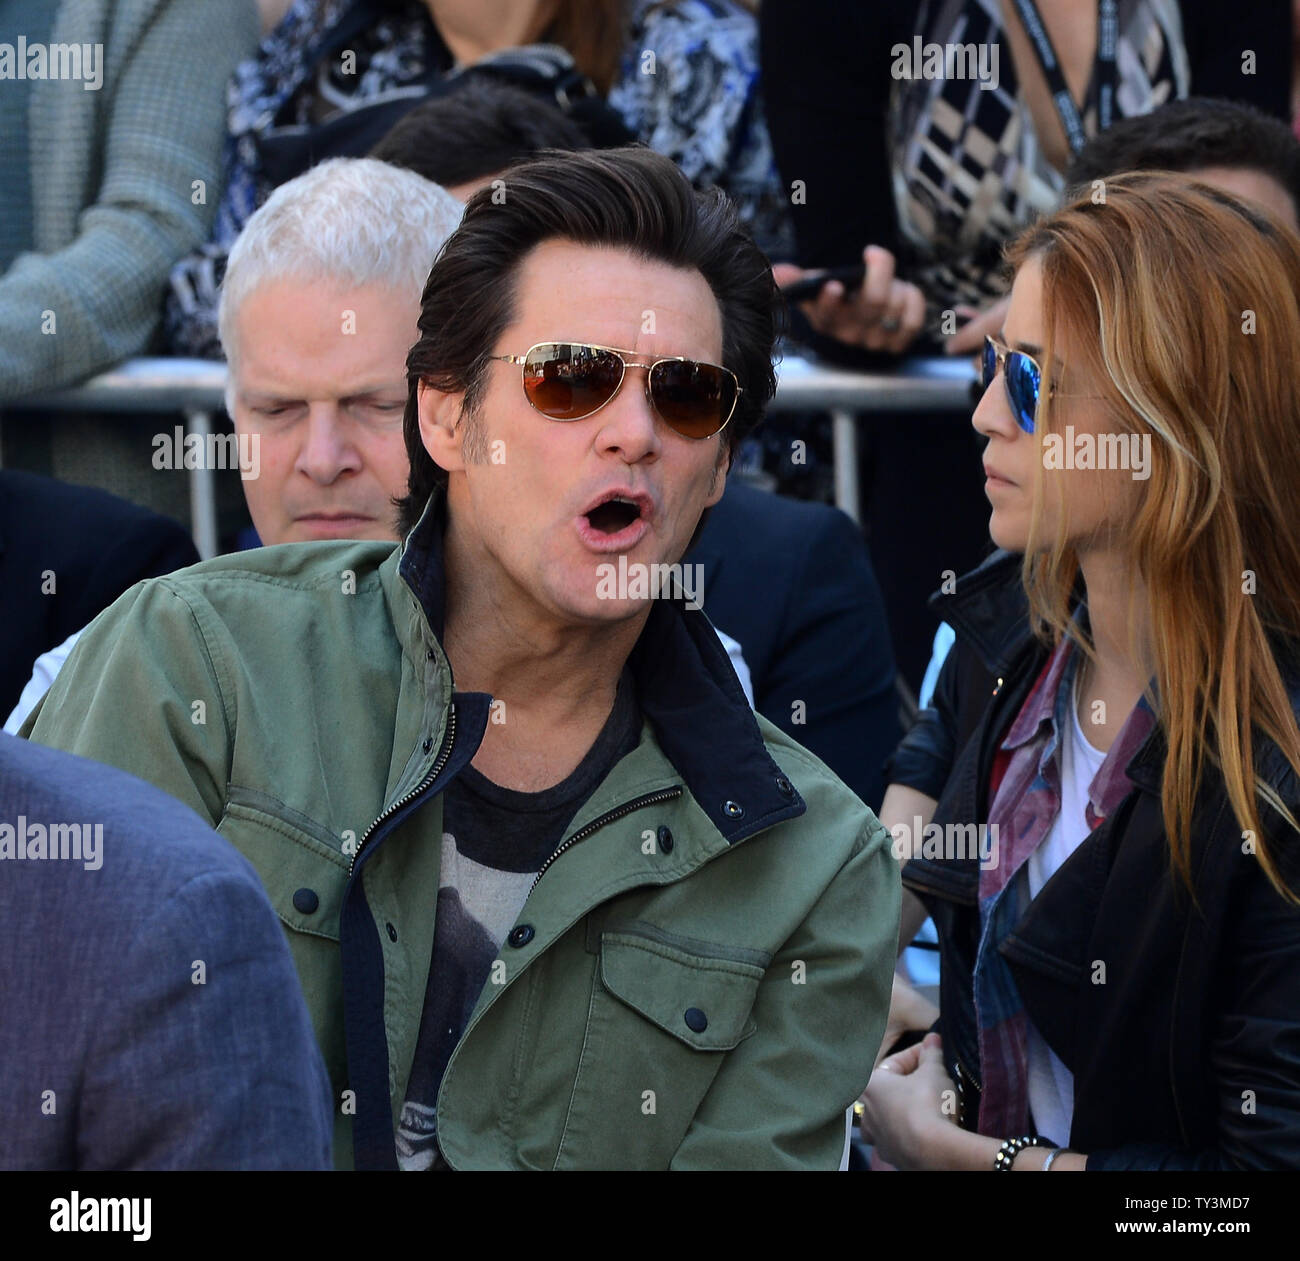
(884, 313)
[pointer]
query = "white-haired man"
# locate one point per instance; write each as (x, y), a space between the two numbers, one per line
(318, 309)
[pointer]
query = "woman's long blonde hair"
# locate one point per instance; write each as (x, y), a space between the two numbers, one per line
(1182, 305)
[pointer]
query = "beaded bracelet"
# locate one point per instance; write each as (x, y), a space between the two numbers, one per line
(1012, 1147)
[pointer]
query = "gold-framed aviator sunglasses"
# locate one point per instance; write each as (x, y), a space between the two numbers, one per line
(574, 380)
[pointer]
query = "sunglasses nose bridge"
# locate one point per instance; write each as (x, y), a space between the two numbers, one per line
(647, 373)
(626, 362)
(633, 363)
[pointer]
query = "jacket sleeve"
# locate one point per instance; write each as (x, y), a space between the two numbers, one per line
(836, 658)
(205, 1058)
(163, 130)
(925, 756)
(1254, 1051)
(779, 1099)
(141, 692)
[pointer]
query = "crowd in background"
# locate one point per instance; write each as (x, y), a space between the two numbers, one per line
(1095, 665)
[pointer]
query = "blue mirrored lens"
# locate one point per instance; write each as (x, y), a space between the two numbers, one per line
(1022, 388)
(989, 364)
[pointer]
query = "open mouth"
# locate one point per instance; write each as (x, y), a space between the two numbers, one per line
(613, 515)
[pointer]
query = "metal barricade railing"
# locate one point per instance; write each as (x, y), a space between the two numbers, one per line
(196, 389)
(917, 385)
(193, 387)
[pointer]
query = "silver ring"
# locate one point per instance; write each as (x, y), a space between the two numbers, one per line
(890, 325)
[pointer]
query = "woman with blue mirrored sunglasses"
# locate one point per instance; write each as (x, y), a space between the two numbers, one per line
(1120, 713)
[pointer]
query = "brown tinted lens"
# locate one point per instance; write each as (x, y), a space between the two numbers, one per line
(567, 382)
(694, 398)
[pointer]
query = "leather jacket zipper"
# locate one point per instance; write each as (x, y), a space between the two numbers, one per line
(650, 799)
(443, 754)
(964, 1073)
(993, 723)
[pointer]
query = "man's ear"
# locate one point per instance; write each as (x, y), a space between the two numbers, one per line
(440, 428)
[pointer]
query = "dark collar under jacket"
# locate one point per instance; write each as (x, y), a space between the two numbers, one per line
(686, 688)
(989, 610)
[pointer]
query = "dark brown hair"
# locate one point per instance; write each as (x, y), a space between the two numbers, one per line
(477, 129)
(594, 33)
(629, 198)
(1190, 135)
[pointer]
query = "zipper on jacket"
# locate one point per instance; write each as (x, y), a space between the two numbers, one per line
(443, 754)
(650, 799)
(962, 1109)
(998, 718)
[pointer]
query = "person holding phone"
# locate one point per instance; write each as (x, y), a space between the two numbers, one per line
(935, 171)
(1121, 964)
(864, 304)
(930, 168)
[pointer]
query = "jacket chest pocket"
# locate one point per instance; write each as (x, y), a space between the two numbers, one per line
(660, 1022)
(304, 878)
(301, 864)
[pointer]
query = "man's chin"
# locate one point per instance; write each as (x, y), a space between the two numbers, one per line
(591, 611)
(316, 529)
(581, 602)
(618, 589)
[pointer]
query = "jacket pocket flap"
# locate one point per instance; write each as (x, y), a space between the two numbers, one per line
(703, 1000)
(304, 880)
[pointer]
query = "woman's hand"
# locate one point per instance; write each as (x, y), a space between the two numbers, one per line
(884, 313)
(910, 1108)
(909, 1115)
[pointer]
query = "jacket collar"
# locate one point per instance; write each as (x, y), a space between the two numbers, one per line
(987, 607)
(685, 684)
(989, 610)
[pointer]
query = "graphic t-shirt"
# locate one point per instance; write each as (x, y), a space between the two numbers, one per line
(494, 842)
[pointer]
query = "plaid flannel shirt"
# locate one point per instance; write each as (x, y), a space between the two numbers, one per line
(1024, 808)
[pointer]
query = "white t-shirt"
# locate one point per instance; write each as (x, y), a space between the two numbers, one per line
(44, 672)
(1051, 1084)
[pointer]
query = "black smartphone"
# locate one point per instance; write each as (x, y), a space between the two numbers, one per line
(909, 1037)
(810, 286)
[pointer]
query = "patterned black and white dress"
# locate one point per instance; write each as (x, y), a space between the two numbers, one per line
(968, 169)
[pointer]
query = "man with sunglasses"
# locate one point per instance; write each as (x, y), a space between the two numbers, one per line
(557, 897)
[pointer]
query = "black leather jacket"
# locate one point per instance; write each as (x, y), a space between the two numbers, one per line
(1179, 1022)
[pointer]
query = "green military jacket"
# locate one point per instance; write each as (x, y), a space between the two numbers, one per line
(701, 973)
